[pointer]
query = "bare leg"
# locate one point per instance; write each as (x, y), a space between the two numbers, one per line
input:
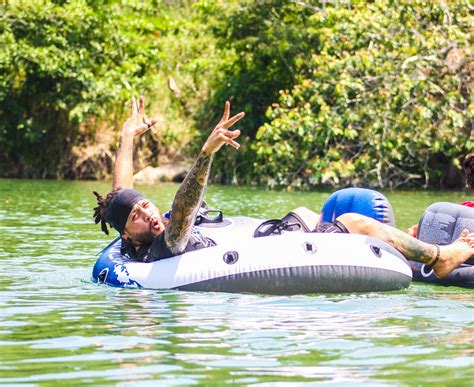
(450, 256)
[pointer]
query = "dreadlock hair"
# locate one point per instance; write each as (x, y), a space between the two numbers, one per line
(468, 165)
(99, 211)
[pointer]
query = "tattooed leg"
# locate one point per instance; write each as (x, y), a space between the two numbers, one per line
(186, 204)
(443, 259)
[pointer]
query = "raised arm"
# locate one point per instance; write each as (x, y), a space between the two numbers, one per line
(137, 124)
(190, 194)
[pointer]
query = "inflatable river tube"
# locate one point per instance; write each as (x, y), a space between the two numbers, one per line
(290, 263)
(441, 223)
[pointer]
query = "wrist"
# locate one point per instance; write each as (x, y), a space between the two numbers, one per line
(126, 138)
(206, 151)
(126, 134)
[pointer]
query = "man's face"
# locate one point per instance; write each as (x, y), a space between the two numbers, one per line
(144, 223)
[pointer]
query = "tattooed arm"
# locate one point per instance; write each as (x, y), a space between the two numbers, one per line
(191, 192)
(186, 204)
(137, 124)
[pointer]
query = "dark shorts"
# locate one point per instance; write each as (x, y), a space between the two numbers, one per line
(331, 228)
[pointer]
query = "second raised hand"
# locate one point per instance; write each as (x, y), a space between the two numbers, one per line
(221, 134)
(138, 122)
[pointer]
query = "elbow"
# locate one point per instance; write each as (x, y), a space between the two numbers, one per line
(177, 247)
(177, 242)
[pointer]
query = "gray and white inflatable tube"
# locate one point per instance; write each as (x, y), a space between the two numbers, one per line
(441, 223)
(291, 263)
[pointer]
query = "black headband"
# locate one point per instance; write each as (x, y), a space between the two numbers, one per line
(120, 206)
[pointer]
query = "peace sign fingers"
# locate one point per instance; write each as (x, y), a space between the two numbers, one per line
(138, 122)
(133, 106)
(141, 105)
(229, 122)
(226, 114)
(221, 134)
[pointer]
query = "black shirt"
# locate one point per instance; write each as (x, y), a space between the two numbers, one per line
(159, 250)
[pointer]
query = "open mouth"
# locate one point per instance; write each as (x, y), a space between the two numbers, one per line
(155, 224)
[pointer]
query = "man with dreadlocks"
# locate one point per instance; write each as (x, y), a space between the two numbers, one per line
(147, 236)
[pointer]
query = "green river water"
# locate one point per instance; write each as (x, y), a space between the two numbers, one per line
(58, 328)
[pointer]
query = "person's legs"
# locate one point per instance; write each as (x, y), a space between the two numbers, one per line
(443, 259)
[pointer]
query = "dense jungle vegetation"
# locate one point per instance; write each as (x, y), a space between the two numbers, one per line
(370, 93)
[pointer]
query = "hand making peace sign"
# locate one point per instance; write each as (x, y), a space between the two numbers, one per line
(221, 134)
(138, 123)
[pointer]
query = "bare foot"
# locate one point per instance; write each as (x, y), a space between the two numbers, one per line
(451, 256)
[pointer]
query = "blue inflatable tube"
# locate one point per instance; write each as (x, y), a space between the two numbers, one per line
(360, 201)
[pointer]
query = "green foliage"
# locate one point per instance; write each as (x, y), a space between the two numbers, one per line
(385, 103)
(63, 63)
(269, 41)
(262, 45)
(337, 92)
